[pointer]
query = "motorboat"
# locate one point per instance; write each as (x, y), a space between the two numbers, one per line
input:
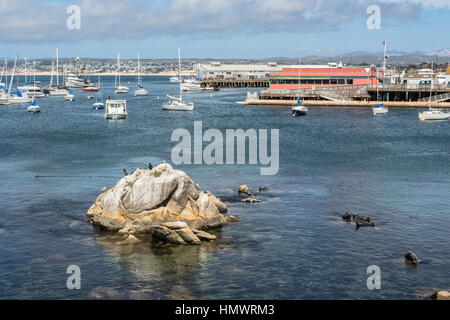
(380, 109)
(116, 109)
(433, 114)
(175, 79)
(34, 108)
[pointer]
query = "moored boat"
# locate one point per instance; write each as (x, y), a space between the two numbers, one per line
(380, 109)
(34, 108)
(116, 109)
(433, 115)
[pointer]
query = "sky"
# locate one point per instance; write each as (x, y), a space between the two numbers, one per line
(219, 28)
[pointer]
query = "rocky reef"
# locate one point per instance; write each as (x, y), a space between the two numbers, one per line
(161, 201)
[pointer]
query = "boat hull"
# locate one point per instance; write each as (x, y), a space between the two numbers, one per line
(109, 116)
(34, 109)
(178, 107)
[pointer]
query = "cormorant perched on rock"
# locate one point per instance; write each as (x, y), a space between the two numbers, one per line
(150, 167)
(125, 173)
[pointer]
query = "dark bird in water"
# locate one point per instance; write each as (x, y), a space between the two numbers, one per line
(150, 167)
(125, 173)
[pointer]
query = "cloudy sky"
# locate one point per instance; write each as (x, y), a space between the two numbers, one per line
(220, 28)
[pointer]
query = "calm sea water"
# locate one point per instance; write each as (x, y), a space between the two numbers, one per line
(294, 245)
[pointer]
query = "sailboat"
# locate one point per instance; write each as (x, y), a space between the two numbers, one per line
(69, 96)
(379, 109)
(59, 92)
(34, 108)
(99, 104)
(3, 94)
(119, 88)
(299, 110)
(18, 98)
(177, 104)
(140, 90)
(431, 113)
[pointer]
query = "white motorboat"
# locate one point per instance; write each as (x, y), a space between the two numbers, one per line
(118, 88)
(34, 108)
(433, 114)
(140, 91)
(116, 109)
(175, 79)
(177, 104)
(59, 92)
(380, 109)
(69, 96)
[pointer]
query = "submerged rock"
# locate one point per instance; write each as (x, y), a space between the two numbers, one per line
(243, 189)
(233, 219)
(411, 258)
(153, 197)
(441, 295)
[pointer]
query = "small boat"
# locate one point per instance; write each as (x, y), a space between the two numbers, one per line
(90, 89)
(299, 110)
(58, 92)
(118, 88)
(34, 108)
(69, 96)
(174, 79)
(140, 91)
(433, 114)
(379, 109)
(19, 98)
(177, 104)
(116, 109)
(99, 104)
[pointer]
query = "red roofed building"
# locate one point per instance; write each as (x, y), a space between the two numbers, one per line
(323, 77)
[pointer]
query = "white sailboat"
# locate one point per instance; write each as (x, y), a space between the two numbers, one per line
(99, 104)
(34, 108)
(140, 90)
(177, 104)
(379, 109)
(59, 92)
(4, 95)
(119, 88)
(299, 110)
(18, 98)
(433, 114)
(69, 96)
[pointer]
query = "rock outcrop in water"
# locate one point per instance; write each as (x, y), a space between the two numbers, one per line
(161, 201)
(411, 258)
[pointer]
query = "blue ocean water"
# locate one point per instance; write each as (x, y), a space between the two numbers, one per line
(294, 245)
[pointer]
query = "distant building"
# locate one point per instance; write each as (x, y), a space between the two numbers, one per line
(319, 76)
(217, 70)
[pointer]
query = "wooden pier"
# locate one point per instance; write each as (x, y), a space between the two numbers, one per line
(349, 104)
(235, 83)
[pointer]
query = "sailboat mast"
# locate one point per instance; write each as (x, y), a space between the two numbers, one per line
(118, 66)
(139, 69)
(299, 82)
(57, 64)
(179, 68)
(3, 72)
(51, 75)
(12, 76)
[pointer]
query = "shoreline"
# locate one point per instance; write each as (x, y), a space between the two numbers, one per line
(160, 74)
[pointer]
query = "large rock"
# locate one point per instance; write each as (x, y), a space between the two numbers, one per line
(149, 198)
